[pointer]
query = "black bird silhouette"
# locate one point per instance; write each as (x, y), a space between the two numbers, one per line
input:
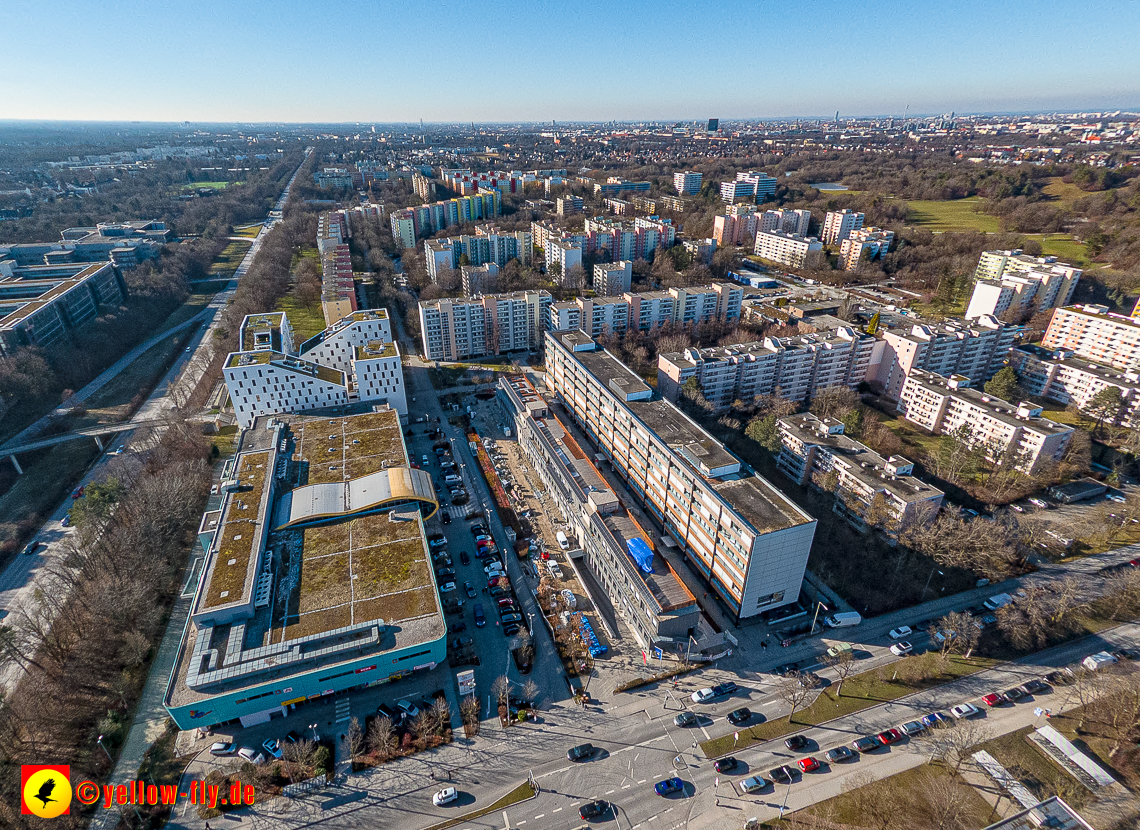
(45, 791)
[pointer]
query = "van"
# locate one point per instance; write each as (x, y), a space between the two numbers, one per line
(452, 479)
(480, 619)
(562, 541)
(998, 601)
(843, 619)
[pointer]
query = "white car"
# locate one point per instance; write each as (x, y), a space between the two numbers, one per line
(753, 784)
(223, 748)
(702, 695)
(912, 727)
(901, 648)
(447, 587)
(963, 711)
(900, 632)
(444, 796)
(408, 708)
(252, 755)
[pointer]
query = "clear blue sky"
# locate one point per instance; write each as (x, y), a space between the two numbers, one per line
(502, 60)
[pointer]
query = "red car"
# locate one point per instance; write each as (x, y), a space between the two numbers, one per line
(808, 764)
(889, 737)
(994, 699)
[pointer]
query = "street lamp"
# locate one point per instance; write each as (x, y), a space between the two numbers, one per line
(927, 585)
(313, 726)
(99, 741)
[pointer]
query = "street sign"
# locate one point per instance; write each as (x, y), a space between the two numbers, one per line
(658, 653)
(466, 680)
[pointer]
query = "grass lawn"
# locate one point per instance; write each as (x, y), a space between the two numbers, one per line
(230, 258)
(306, 320)
(111, 403)
(49, 475)
(1062, 191)
(1063, 247)
(912, 808)
(211, 185)
(956, 215)
(1040, 774)
(861, 691)
(522, 792)
(249, 231)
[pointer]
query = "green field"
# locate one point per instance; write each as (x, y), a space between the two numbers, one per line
(249, 231)
(956, 215)
(211, 185)
(306, 320)
(1062, 191)
(230, 258)
(1063, 247)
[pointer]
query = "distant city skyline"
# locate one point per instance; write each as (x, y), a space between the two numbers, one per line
(513, 61)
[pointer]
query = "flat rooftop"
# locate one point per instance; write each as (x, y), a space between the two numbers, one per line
(1108, 373)
(266, 357)
(265, 325)
(996, 408)
(376, 348)
(231, 568)
(703, 452)
(664, 585)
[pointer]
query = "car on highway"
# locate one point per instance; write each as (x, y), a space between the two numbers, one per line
(580, 752)
(445, 796)
(741, 715)
(222, 748)
(808, 764)
(796, 742)
(726, 764)
(865, 744)
(782, 775)
(753, 784)
(889, 736)
(840, 753)
(994, 699)
(593, 809)
(900, 632)
(32, 548)
(668, 786)
(685, 719)
(901, 649)
(912, 727)
(963, 711)
(935, 719)
(702, 695)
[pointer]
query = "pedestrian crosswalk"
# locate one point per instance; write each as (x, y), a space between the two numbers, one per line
(461, 512)
(342, 709)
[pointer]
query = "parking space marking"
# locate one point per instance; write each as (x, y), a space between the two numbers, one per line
(643, 780)
(540, 815)
(556, 810)
(626, 786)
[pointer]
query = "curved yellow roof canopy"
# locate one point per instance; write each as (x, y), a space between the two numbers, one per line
(318, 502)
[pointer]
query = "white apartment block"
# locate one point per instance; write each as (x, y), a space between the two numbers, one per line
(570, 205)
(1010, 281)
(717, 302)
(946, 404)
(268, 376)
(566, 316)
(864, 244)
(563, 253)
(795, 368)
(812, 448)
(459, 329)
(612, 279)
(838, 224)
(977, 350)
(687, 183)
(789, 250)
(1092, 332)
(1066, 380)
(741, 534)
(748, 185)
(487, 245)
(479, 279)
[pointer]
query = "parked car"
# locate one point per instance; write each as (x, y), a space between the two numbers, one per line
(865, 744)
(447, 587)
(272, 747)
(1060, 677)
(250, 754)
(889, 736)
(445, 573)
(702, 695)
(510, 630)
(902, 649)
(593, 809)
(580, 752)
(963, 711)
(1033, 687)
(456, 627)
(934, 719)
(222, 748)
(994, 699)
(470, 589)
(753, 784)
(912, 727)
(796, 742)
(445, 796)
(840, 753)
(668, 786)
(461, 642)
(782, 775)
(685, 719)
(1041, 504)
(726, 764)
(725, 688)
(1013, 694)
(738, 716)
(900, 632)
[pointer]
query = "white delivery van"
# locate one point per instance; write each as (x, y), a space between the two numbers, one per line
(453, 479)
(998, 601)
(562, 541)
(843, 619)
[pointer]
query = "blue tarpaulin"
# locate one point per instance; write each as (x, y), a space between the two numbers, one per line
(641, 554)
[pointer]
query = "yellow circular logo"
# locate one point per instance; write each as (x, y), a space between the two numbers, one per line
(47, 793)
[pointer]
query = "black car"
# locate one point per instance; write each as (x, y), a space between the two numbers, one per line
(1061, 677)
(593, 809)
(446, 519)
(785, 670)
(810, 680)
(796, 742)
(510, 629)
(726, 688)
(1016, 693)
(685, 719)
(461, 642)
(478, 530)
(726, 764)
(1126, 654)
(464, 557)
(782, 775)
(738, 716)
(445, 573)
(580, 752)
(457, 626)
(1033, 687)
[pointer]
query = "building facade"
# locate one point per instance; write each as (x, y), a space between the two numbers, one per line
(1010, 282)
(864, 245)
(739, 532)
(613, 279)
(751, 185)
(459, 329)
(1094, 333)
(838, 225)
(687, 182)
(1062, 379)
(789, 250)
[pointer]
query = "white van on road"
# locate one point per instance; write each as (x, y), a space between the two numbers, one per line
(562, 541)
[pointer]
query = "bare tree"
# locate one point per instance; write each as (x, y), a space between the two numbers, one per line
(843, 664)
(382, 738)
(1121, 597)
(966, 633)
(946, 802)
(501, 689)
(422, 727)
(875, 802)
(793, 692)
(469, 711)
(298, 758)
(354, 738)
(531, 691)
(952, 744)
(441, 710)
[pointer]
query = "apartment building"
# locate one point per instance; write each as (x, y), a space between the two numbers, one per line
(716, 302)
(423, 186)
(565, 254)
(838, 225)
(947, 404)
(1062, 379)
(41, 304)
(795, 368)
(479, 279)
(700, 250)
(750, 185)
(1095, 333)
(570, 205)
(459, 329)
(649, 309)
(615, 186)
(789, 250)
(623, 239)
(1010, 282)
(816, 451)
(618, 207)
(737, 226)
(648, 594)
(739, 532)
(603, 315)
(353, 361)
(613, 278)
(687, 182)
(565, 316)
(976, 350)
(674, 203)
(864, 245)
(414, 222)
(487, 245)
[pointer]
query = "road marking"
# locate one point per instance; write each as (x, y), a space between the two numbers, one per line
(556, 810)
(626, 786)
(540, 815)
(607, 792)
(643, 780)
